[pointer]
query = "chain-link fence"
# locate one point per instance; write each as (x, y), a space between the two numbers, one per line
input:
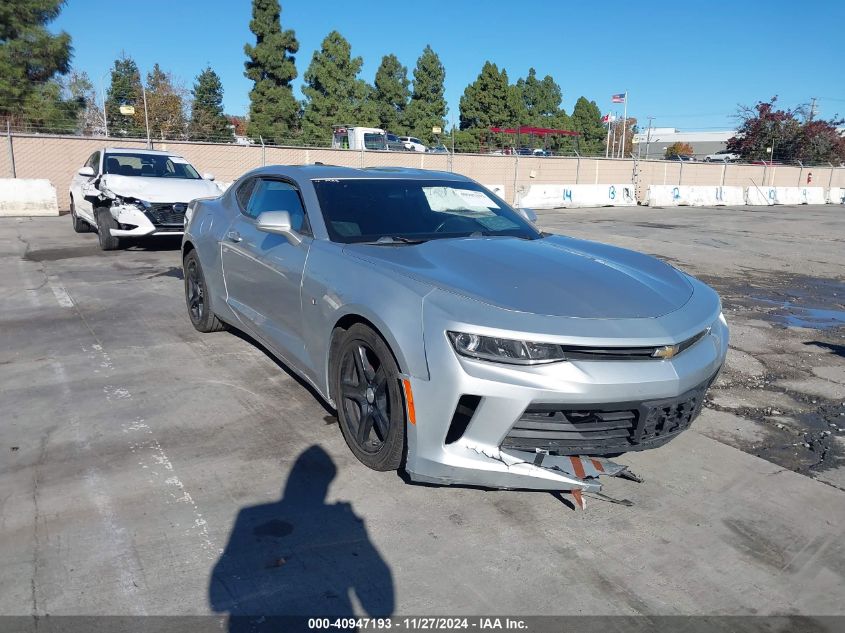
(57, 158)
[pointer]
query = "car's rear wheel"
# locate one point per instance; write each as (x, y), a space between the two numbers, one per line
(369, 398)
(79, 225)
(106, 222)
(196, 296)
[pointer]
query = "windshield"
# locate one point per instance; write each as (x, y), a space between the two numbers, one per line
(149, 166)
(364, 210)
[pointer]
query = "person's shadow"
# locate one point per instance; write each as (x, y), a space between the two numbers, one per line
(299, 556)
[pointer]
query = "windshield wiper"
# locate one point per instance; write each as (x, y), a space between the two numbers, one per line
(392, 240)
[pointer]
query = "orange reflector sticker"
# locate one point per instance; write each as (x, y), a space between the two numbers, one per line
(409, 400)
(578, 467)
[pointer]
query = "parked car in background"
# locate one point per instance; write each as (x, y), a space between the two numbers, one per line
(394, 144)
(131, 193)
(452, 336)
(684, 157)
(413, 143)
(724, 156)
(438, 149)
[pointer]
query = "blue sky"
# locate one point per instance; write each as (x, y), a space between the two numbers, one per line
(688, 63)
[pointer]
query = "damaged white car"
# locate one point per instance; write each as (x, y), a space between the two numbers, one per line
(132, 193)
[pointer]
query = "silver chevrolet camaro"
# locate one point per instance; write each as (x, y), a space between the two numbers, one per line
(453, 337)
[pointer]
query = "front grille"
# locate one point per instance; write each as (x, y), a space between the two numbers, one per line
(626, 353)
(167, 214)
(604, 429)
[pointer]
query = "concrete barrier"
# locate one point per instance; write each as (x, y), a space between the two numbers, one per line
(836, 195)
(565, 196)
(785, 195)
(499, 190)
(27, 197)
(694, 196)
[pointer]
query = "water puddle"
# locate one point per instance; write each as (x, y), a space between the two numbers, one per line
(793, 315)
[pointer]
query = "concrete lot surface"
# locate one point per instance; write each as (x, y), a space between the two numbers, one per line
(138, 456)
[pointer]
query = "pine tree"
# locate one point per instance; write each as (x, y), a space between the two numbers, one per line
(491, 101)
(334, 95)
(391, 94)
(586, 119)
(165, 105)
(541, 97)
(427, 108)
(273, 110)
(125, 89)
(208, 121)
(31, 58)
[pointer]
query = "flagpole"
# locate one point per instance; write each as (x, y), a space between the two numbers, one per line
(613, 141)
(607, 143)
(624, 125)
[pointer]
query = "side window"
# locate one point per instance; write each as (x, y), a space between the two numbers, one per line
(244, 192)
(277, 195)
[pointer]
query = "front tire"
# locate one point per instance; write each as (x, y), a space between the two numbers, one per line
(106, 222)
(370, 404)
(79, 225)
(196, 296)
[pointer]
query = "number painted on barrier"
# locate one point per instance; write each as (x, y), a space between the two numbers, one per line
(611, 192)
(720, 194)
(627, 194)
(676, 193)
(567, 194)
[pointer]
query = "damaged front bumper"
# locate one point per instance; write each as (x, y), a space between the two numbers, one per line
(136, 222)
(540, 427)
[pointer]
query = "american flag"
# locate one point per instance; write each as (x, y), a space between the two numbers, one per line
(620, 98)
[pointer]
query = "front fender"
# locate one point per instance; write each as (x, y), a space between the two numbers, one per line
(337, 286)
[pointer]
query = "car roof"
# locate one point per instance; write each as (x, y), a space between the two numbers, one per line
(136, 150)
(334, 172)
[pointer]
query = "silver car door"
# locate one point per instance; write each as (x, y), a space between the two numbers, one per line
(263, 271)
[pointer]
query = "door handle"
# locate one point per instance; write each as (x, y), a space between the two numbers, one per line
(233, 236)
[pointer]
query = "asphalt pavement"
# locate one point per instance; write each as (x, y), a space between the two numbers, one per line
(150, 469)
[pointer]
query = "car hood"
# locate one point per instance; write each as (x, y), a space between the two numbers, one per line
(159, 189)
(554, 276)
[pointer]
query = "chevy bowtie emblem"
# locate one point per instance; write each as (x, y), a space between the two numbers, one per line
(665, 352)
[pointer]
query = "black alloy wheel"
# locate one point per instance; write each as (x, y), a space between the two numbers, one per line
(369, 399)
(196, 296)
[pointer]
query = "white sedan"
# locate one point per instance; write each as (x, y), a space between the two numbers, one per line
(413, 144)
(122, 193)
(725, 156)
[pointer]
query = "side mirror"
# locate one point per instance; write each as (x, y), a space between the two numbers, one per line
(86, 171)
(208, 176)
(528, 214)
(278, 222)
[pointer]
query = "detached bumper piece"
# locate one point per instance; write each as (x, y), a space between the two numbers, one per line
(603, 429)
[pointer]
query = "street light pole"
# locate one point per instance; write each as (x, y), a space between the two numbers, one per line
(648, 136)
(103, 93)
(146, 116)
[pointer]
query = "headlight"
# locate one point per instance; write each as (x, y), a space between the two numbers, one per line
(505, 350)
(189, 212)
